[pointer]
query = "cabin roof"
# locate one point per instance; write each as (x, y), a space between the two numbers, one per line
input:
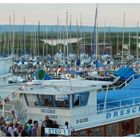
(52, 90)
(73, 83)
(60, 87)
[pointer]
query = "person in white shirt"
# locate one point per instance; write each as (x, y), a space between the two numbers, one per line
(70, 129)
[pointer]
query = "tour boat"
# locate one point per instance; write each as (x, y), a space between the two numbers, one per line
(90, 107)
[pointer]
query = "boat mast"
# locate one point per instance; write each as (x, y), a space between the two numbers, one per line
(84, 44)
(96, 26)
(104, 36)
(77, 39)
(46, 36)
(137, 47)
(43, 51)
(52, 42)
(95, 34)
(123, 38)
(91, 42)
(31, 41)
(67, 35)
(57, 34)
(9, 46)
(70, 34)
(117, 43)
(129, 45)
(13, 44)
(81, 31)
(38, 40)
(24, 48)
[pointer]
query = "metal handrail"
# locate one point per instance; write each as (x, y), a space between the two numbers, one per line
(100, 107)
(10, 111)
(125, 83)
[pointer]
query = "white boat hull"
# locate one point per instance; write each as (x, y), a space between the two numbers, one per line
(5, 64)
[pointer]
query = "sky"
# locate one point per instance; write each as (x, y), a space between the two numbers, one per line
(109, 14)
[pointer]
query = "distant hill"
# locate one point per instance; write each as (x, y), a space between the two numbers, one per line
(55, 28)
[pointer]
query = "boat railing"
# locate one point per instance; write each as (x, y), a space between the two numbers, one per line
(124, 84)
(130, 79)
(22, 113)
(7, 115)
(6, 109)
(117, 104)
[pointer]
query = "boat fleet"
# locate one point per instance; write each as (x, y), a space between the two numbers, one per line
(87, 97)
(95, 95)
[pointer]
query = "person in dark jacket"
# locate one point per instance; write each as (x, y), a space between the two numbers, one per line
(48, 122)
(43, 125)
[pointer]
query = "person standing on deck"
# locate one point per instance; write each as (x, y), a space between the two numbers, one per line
(34, 130)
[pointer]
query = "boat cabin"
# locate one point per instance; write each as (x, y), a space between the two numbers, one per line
(61, 103)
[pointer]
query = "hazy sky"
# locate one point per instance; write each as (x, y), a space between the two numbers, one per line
(109, 14)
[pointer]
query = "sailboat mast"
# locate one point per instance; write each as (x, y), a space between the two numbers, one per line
(57, 34)
(70, 48)
(67, 34)
(81, 31)
(104, 36)
(91, 43)
(13, 44)
(129, 45)
(123, 38)
(137, 47)
(96, 26)
(77, 39)
(95, 35)
(38, 39)
(46, 37)
(117, 52)
(24, 48)
(9, 46)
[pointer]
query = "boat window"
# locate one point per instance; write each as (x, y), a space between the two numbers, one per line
(62, 101)
(80, 99)
(31, 99)
(48, 100)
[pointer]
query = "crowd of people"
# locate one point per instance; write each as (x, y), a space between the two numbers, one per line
(30, 129)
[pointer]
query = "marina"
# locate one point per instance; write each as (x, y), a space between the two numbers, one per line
(69, 79)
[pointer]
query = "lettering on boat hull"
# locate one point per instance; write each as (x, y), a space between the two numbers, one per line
(123, 112)
(82, 120)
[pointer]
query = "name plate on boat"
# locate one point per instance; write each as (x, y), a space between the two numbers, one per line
(51, 111)
(126, 112)
(57, 131)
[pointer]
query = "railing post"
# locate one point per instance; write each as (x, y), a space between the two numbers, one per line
(106, 98)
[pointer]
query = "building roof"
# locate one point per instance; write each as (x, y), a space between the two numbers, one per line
(65, 41)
